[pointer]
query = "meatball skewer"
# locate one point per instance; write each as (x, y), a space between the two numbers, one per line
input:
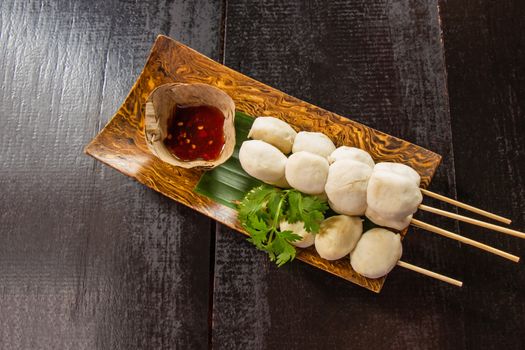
(387, 193)
(379, 251)
(393, 196)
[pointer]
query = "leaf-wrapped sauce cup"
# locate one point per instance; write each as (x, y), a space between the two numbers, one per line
(190, 125)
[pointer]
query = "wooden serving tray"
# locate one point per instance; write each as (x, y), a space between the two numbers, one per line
(121, 143)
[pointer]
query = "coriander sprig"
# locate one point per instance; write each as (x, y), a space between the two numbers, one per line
(262, 210)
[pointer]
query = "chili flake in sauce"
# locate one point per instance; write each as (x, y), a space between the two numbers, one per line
(196, 132)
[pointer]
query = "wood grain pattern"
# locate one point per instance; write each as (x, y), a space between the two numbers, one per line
(89, 259)
(121, 144)
(485, 47)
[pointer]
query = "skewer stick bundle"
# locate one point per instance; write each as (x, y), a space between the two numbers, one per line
(465, 240)
(466, 206)
(472, 221)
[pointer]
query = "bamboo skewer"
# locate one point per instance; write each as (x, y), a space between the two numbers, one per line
(466, 206)
(429, 273)
(465, 240)
(472, 221)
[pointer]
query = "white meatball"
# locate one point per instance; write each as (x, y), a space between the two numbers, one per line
(399, 169)
(313, 142)
(307, 172)
(273, 131)
(298, 228)
(376, 253)
(338, 236)
(395, 223)
(345, 152)
(346, 186)
(262, 160)
(392, 195)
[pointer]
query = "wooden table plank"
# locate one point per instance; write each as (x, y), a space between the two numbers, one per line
(485, 48)
(88, 258)
(380, 63)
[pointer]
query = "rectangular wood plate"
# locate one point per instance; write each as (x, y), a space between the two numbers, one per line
(121, 143)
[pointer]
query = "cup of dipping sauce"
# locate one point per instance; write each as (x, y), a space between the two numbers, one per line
(190, 125)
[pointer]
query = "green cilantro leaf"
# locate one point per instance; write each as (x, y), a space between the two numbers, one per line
(262, 210)
(308, 209)
(289, 236)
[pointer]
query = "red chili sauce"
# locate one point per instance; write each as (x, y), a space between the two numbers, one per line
(196, 132)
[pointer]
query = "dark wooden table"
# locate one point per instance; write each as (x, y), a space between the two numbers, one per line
(92, 260)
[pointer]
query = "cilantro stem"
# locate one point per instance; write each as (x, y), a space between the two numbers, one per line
(278, 212)
(276, 218)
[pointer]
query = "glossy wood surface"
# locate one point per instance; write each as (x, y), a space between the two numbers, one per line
(122, 144)
(83, 266)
